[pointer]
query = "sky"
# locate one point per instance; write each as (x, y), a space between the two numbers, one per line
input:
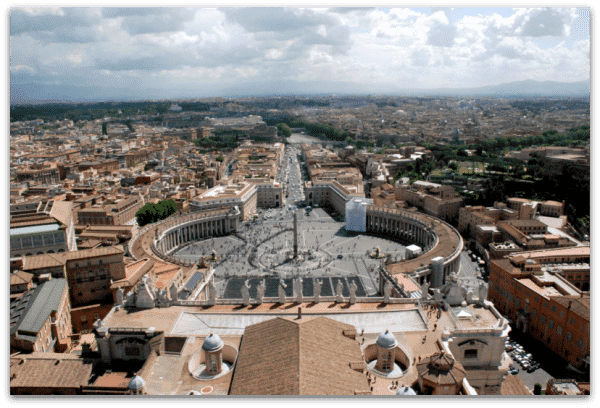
(196, 48)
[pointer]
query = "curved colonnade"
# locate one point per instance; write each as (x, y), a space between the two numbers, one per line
(439, 241)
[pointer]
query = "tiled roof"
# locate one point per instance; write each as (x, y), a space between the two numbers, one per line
(513, 385)
(51, 370)
(20, 277)
(48, 260)
(308, 356)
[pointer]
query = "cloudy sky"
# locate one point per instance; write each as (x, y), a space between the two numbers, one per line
(192, 48)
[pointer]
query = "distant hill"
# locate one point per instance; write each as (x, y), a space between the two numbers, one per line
(39, 93)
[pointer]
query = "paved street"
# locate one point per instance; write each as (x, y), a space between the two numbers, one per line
(468, 273)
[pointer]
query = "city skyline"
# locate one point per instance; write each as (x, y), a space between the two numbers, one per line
(138, 53)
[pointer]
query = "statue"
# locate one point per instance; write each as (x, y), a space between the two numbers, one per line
(203, 262)
(353, 287)
(317, 290)
(454, 293)
(483, 293)
(212, 293)
(260, 292)
(470, 297)
(424, 289)
(120, 294)
(214, 255)
(387, 292)
(437, 294)
(298, 289)
(281, 291)
(246, 293)
(338, 292)
(173, 292)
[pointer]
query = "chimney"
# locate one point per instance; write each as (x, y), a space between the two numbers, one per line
(299, 313)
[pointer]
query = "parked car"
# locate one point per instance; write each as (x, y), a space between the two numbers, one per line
(514, 371)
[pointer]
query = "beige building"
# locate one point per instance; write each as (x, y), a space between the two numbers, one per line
(41, 227)
(43, 174)
(433, 199)
(120, 211)
(89, 272)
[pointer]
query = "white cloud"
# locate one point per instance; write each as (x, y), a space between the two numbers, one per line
(399, 45)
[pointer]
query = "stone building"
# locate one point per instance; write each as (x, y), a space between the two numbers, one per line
(120, 211)
(41, 227)
(533, 290)
(433, 199)
(88, 272)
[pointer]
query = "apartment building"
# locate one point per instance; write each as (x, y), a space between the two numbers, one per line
(547, 208)
(531, 289)
(47, 173)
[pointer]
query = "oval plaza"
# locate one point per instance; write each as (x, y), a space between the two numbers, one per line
(379, 291)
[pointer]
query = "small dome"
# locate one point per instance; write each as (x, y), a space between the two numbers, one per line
(212, 343)
(137, 383)
(442, 361)
(386, 340)
(405, 391)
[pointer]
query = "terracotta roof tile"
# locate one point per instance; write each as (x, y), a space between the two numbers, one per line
(308, 356)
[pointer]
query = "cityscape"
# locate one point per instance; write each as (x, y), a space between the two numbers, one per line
(300, 202)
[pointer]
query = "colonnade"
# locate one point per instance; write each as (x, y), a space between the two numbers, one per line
(195, 229)
(399, 226)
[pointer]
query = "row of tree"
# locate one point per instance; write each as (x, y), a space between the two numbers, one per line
(150, 213)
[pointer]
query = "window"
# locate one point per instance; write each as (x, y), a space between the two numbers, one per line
(536, 298)
(471, 353)
(553, 308)
(580, 343)
(569, 336)
(551, 323)
(543, 319)
(545, 304)
(571, 321)
(533, 312)
(562, 314)
(559, 329)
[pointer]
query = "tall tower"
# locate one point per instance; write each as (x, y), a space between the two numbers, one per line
(295, 235)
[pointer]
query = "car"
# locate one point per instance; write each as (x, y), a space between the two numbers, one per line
(531, 369)
(514, 371)
(340, 256)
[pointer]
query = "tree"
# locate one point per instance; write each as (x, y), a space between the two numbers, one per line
(283, 130)
(220, 159)
(453, 166)
(537, 389)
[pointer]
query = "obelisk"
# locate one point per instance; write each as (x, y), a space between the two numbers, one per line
(295, 235)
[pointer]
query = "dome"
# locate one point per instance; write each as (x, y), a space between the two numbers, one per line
(137, 383)
(212, 343)
(442, 361)
(386, 340)
(405, 391)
